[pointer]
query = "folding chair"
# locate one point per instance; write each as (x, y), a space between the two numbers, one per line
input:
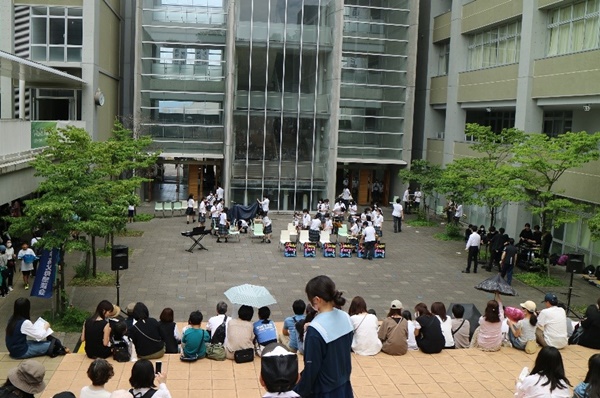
(257, 231)
(342, 232)
(177, 207)
(303, 236)
(233, 231)
(158, 206)
(168, 206)
(284, 238)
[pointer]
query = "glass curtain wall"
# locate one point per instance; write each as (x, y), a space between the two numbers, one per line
(282, 101)
(373, 87)
(183, 74)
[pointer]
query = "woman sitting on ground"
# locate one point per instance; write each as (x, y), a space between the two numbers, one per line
(488, 336)
(264, 329)
(411, 340)
(547, 378)
(169, 331)
(99, 372)
(96, 332)
(143, 377)
(519, 333)
(145, 334)
(240, 332)
(590, 386)
(590, 336)
(365, 340)
(439, 310)
(428, 330)
(393, 332)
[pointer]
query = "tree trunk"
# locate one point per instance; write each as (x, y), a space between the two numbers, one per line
(94, 262)
(61, 297)
(492, 216)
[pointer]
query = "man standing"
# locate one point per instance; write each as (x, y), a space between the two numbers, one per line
(27, 257)
(552, 324)
(458, 213)
(418, 195)
(473, 250)
(220, 192)
(368, 239)
(406, 200)
(508, 260)
(398, 214)
(497, 243)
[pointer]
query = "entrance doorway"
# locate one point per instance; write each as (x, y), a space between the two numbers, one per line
(368, 183)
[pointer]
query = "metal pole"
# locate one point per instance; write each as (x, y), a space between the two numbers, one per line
(118, 286)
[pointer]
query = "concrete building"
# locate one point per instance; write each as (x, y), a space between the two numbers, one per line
(530, 64)
(288, 98)
(60, 64)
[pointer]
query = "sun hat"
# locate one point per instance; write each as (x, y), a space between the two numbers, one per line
(529, 306)
(551, 298)
(129, 308)
(28, 376)
(396, 305)
(115, 312)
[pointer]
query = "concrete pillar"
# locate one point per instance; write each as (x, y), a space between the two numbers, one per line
(89, 68)
(229, 105)
(7, 44)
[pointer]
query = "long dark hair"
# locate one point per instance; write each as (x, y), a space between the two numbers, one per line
(549, 363)
(103, 306)
(310, 315)
(322, 286)
(593, 377)
(140, 312)
(491, 312)
(142, 374)
(438, 308)
(422, 309)
(21, 311)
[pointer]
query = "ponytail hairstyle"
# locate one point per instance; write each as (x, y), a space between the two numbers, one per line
(492, 314)
(533, 319)
(323, 287)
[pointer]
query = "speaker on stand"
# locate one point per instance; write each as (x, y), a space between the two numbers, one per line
(119, 261)
(574, 265)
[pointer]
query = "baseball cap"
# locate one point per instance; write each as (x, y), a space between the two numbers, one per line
(529, 306)
(396, 305)
(551, 298)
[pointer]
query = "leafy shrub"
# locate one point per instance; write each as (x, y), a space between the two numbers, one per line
(70, 321)
(538, 279)
(453, 231)
(101, 279)
(143, 217)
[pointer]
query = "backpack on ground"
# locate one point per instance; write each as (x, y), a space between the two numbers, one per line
(121, 352)
(218, 336)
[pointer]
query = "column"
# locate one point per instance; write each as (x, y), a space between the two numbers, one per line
(7, 18)
(229, 104)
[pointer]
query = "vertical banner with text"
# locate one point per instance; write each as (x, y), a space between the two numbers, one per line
(45, 274)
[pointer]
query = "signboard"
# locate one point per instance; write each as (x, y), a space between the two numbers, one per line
(329, 249)
(310, 249)
(289, 249)
(360, 251)
(39, 133)
(379, 250)
(346, 249)
(46, 274)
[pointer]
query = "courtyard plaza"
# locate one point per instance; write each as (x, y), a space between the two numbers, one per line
(416, 268)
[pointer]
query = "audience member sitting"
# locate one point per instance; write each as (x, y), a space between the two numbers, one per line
(394, 331)
(194, 338)
(169, 331)
(289, 336)
(439, 310)
(145, 334)
(302, 325)
(96, 332)
(216, 321)
(552, 324)
(590, 386)
(265, 331)
(488, 336)
(279, 371)
(461, 328)
(412, 342)
(589, 336)
(365, 340)
(143, 377)
(240, 333)
(547, 378)
(99, 372)
(24, 380)
(519, 333)
(428, 330)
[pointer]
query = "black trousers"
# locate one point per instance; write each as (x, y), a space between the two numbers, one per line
(473, 254)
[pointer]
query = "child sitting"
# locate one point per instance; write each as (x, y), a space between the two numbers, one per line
(194, 339)
(265, 331)
(278, 371)
(120, 343)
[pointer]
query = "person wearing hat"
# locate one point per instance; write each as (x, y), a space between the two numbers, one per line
(552, 324)
(279, 371)
(96, 331)
(393, 331)
(24, 380)
(519, 333)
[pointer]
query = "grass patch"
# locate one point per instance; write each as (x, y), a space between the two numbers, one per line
(102, 252)
(130, 233)
(445, 237)
(421, 223)
(143, 217)
(101, 279)
(71, 321)
(538, 280)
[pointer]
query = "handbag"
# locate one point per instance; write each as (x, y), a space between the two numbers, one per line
(574, 339)
(215, 351)
(243, 356)
(531, 347)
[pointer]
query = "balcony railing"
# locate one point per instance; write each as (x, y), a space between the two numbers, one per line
(187, 72)
(186, 15)
(290, 102)
(261, 32)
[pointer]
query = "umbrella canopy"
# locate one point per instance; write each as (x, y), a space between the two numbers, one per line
(252, 295)
(471, 314)
(496, 284)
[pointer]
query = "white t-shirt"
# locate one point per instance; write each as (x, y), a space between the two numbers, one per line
(447, 331)
(220, 192)
(265, 205)
(315, 224)
(459, 211)
(190, 203)
(397, 212)
(202, 207)
(346, 194)
(406, 196)
(223, 219)
(369, 234)
(418, 196)
(306, 220)
(353, 209)
(412, 340)
(532, 387)
(94, 392)
(554, 322)
(365, 340)
(216, 321)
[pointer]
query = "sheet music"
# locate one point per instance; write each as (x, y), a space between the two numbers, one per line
(39, 325)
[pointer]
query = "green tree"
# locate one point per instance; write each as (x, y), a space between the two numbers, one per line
(424, 174)
(542, 161)
(594, 226)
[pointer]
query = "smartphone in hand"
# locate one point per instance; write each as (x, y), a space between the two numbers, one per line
(158, 366)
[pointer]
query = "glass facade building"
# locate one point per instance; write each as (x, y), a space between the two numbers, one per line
(283, 97)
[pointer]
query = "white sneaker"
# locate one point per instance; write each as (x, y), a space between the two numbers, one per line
(10, 289)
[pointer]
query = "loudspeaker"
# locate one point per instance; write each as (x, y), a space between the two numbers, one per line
(119, 258)
(575, 266)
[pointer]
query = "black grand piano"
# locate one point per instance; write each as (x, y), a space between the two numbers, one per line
(196, 235)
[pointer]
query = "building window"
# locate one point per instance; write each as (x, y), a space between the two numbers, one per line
(498, 46)
(574, 28)
(56, 34)
(557, 122)
(443, 58)
(496, 120)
